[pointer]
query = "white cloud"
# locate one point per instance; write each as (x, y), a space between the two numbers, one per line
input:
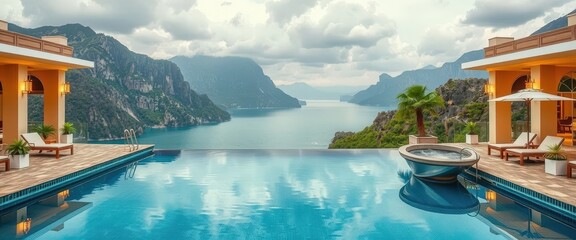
(322, 42)
(502, 14)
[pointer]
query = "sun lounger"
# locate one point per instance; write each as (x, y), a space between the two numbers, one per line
(521, 141)
(538, 152)
(37, 143)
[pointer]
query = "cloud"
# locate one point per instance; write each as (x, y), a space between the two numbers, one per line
(342, 25)
(503, 14)
(108, 15)
(188, 25)
(283, 11)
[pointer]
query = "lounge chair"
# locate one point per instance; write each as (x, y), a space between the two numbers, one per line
(521, 141)
(537, 152)
(37, 143)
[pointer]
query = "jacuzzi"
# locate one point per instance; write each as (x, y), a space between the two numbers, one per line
(438, 162)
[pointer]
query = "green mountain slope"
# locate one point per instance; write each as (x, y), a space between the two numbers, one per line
(125, 89)
(464, 100)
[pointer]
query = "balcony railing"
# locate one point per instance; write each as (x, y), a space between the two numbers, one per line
(20, 40)
(561, 35)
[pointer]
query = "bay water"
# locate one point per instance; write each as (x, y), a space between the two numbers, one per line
(310, 127)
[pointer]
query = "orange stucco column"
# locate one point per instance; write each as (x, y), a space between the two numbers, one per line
(544, 119)
(54, 100)
(500, 113)
(14, 102)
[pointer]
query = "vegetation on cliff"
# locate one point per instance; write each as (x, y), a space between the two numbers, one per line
(124, 89)
(464, 101)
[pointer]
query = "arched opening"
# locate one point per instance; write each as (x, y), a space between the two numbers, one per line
(566, 111)
(519, 110)
(35, 102)
(1, 113)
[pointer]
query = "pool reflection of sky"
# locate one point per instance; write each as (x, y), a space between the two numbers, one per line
(262, 194)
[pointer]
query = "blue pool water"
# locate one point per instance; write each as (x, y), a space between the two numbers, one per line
(270, 194)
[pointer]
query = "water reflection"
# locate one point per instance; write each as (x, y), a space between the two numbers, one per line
(447, 198)
(38, 218)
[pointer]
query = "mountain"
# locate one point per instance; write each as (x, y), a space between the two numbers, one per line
(302, 90)
(233, 82)
(557, 23)
(125, 89)
(385, 91)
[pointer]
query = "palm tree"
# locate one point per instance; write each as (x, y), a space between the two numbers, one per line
(415, 100)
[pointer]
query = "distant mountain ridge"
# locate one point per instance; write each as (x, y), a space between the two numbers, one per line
(304, 91)
(385, 91)
(125, 89)
(233, 82)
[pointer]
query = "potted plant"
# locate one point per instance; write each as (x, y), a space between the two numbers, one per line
(471, 130)
(44, 130)
(415, 100)
(68, 131)
(555, 160)
(18, 154)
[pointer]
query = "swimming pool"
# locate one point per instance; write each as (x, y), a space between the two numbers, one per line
(270, 194)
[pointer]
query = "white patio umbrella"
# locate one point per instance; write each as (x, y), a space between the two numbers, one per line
(528, 96)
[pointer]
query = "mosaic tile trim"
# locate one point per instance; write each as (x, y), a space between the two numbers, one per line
(37, 190)
(564, 210)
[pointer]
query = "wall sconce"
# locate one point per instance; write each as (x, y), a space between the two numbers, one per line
(27, 85)
(489, 89)
(23, 227)
(65, 88)
(490, 195)
(530, 84)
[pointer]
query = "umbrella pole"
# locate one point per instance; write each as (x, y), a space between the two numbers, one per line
(528, 106)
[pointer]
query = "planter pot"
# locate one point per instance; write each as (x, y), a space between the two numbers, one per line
(19, 161)
(555, 167)
(419, 140)
(471, 139)
(66, 138)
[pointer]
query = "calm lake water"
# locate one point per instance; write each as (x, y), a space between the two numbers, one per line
(310, 127)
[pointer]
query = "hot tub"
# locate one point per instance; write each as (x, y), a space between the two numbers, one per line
(437, 161)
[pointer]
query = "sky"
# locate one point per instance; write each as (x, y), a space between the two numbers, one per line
(320, 42)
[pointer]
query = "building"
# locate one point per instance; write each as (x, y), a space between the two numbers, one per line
(546, 61)
(29, 65)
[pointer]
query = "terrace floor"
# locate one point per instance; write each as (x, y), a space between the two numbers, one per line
(530, 175)
(45, 167)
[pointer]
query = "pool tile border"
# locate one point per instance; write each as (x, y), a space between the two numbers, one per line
(13, 199)
(566, 212)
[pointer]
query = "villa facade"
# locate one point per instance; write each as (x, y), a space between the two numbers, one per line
(29, 65)
(546, 61)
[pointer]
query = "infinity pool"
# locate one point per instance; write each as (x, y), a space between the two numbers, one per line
(272, 194)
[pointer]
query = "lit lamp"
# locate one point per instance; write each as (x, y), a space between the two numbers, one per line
(23, 227)
(64, 194)
(490, 195)
(489, 89)
(531, 84)
(65, 88)
(27, 85)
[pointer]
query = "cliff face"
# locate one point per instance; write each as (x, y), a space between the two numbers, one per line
(385, 91)
(464, 100)
(125, 89)
(233, 82)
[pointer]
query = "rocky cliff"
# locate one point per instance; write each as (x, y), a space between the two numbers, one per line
(125, 89)
(233, 82)
(464, 100)
(385, 91)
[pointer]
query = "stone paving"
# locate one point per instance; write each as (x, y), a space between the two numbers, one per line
(45, 167)
(531, 175)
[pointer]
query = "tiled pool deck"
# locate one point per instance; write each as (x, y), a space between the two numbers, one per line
(45, 167)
